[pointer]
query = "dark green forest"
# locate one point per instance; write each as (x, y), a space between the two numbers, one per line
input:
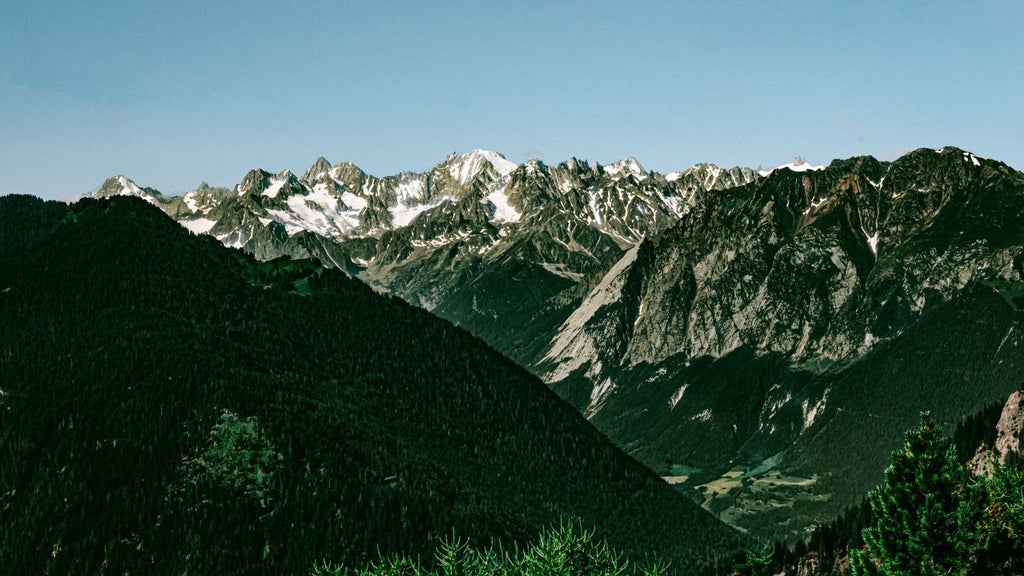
(929, 517)
(170, 406)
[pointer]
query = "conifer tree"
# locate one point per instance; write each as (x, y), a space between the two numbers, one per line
(1004, 522)
(926, 515)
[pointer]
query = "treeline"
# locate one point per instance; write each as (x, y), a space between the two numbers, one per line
(168, 406)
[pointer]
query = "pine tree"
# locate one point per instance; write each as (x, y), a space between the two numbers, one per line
(1004, 523)
(756, 561)
(926, 515)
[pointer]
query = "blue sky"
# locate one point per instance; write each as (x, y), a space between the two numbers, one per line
(174, 93)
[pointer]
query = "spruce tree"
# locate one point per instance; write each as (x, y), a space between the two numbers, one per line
(926, 515)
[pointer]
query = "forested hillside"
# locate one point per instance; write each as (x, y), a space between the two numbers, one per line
(947, 505)
(170, 406)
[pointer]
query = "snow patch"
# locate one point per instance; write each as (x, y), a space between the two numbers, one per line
(129, 188)
(796, 165)
(968, 157)
(677, 205)
(403, 214)
(276, 184)
(357, 203)
(504, 211)
(594, 208)
(199, 225)
(190, 201)
(232, 239)
(410, 190)
(320, 212)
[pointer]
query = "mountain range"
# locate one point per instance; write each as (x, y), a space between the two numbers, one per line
(761, 338)
(456, 240)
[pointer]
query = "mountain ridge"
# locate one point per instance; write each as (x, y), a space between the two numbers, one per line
(758, 319)
(731, 311)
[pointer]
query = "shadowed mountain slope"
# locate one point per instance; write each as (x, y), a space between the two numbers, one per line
(168, 405)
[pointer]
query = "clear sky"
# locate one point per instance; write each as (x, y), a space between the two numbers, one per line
(174, 93)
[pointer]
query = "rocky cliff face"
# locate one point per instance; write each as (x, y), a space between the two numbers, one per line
(1010, 428)
(1009, 432)
(816, 266)
(731, 344)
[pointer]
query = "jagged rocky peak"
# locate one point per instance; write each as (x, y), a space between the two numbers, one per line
(261, 182)
(254, 182)
(530, 185)
(530, 168)
(533, 164)
(708, 176)
(205, 198)
(575, 164)
(320, 168)
(204, 189)
(624, 167)
(119, 185)
(348, 175)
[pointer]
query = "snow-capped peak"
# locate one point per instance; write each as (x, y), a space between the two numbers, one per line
(122, 186)
(628, 165)
(463, 167)
(798, 164)
(204, 198)
(129, 186)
